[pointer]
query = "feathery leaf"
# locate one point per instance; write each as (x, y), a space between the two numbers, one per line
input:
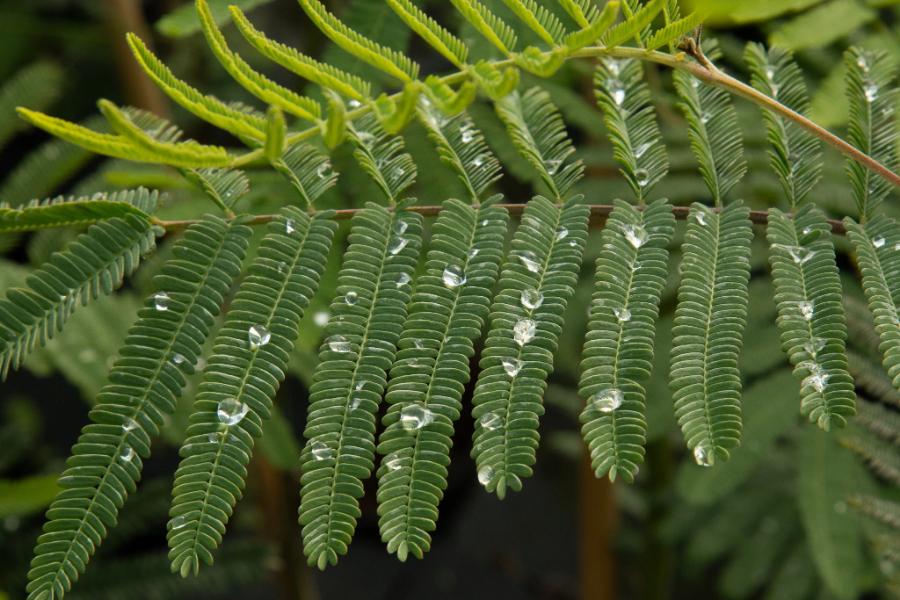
(596, 29)
(383, 157)
(539, 19)
(634, 25)
(489, 25)
(451, 47)
(309, 172)
(76, 211)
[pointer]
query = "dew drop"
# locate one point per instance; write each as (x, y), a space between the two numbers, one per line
(397, 245)
(403, 279)
(616, 91)
(215, 437)
(323, 170)
(561, 234)
(799, 254)
(129, 425)
(818, 379)
(704, 456)
(321, 317)
(871, 92)
(161, 301)
(400, 227)
(127, 454)
(453, 276)
(415, 416)
(351, 298)
(418, 344)
(530, 261)
(289, 226)
(806, 309)
(532, 299)
(178, 359)
(321, 451)
(399, 172)
(478, 161)
(485, 475)
(862, 63)
(705, 117)
(355, 403)
(613, 66)
(490, 421)
(512, 366)
(807, 230)
(523, 331)
(879, 242)
(466, 133)
(393, 463)
(606, 401)
(179, 522)
(642, 177)
(473, 253)
(635, 234)
(814, 346)
(700, 217)
(258, 336)
(339, 344)
(553, 166)
(642, 149)
(231, 411)
(622, 314)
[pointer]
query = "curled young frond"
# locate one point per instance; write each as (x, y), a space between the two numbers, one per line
(383, 157)
(539, 134)
(795, 156)
(631, 121)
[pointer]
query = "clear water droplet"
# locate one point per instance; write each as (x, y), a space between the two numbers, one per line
(453, 276)
(321, 451)
(215, 437)
(490, 421)
(418, 344)
(561, 234)
(415, 416)
(485, 475)
(807, 230)
(622, 314)
(127, 454)
(705, 117)
(282, 267)
(553, 166)
(473, 253)
(524, 331)
(871, 92)
(817, 378)
(703, 456)
(642, 149)
(613, 66)
(258, 336)
(399, 172)
(806, 309)
(770, 72)
(129, 425)
(466, 133)
(608, 400)
(397, 245)
(530, 261)
(484, 223)
(635, 234)
(179, 522)
(351, 298)
(355, 403)
(339, 344)
(161, 301)
(289, 226)
(512, 366)
(403, 279)
(879, 242)
(400, 227)
(799, 254)
(700, 217)
(642, 177)
(616, 91)
(814, 346)
(231, 411)
(862, 63)
(393, 463)
(323, 170)
(532, 299)
(178, 359)
(321, 317)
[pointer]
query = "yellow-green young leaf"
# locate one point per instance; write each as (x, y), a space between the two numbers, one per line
(542, 64)
(540, 20)
(334, 129)
(823, 25)
(275, 133)
(188, 154)
(449, 101)
(489, 25)
(257, 84)
(23, 497)
(583, 12)
(750, 11)
(390, 61)
(319, 73)
(634, 25)
(674, 31)
(450, 46)
(101, 143)
(394, 115)
(308, 170)
(245, 127)
(184, 21)
(496, 83)
(596, 29)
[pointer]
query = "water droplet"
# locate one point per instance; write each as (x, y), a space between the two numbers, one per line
(231, 411)
(161, 301)
(642, 149)
(700, 217)
(622, 314)
(419, 344)
(129, 425)
(397, 245)
(351, 298)
(523, 331)
(473, 253)
(338, 343)
(818, 379)
(606, 401)
(695, 83)
(282, 267)
(415, 416)
(484, 223)
(127, 454)
(179, 522)
(561, 234)
(814, 346)
(642, 177)
(553, 166)
(258, 336)
(862, 63)
(485, 475)
(613, 66)
(321, 317)
(178, 359)
(321, 451)
(616, 91)
(635, 234)
(466, 133)
(705, 117)
(807, 230)
(871, 92)
(399, 172)
(478, 161)
(530, 261)
(704, 456)
(453, 276)
(799, 254)
(322, 171)
(355, 402)
(403, 279)
(490, 421)
(806, 309)
(879, 242)
(512, 366)
(770, 72)
(400, 227)
(215, 437)
(532, 299)
(289, 226)
(393, 463)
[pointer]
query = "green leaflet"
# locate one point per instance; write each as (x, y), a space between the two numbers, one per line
(223, 186)
(382, 157)
(674, 31)
(633, 25)
(810, 313)
(250, 357)
(878, 258)
(144, 385)
(450, 46)
(308, 170)
(367, 316)
(581, 11)
(65, 212)
(447, 312)
(94, 265)
(488, 24)
(708, 330)
(537, 281)
(539, 19)
(594, 30)
(618, 350)
(38, 84)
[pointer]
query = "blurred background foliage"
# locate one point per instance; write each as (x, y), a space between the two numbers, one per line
(795, 514)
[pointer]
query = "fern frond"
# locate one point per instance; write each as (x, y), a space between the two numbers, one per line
(248, 128)
(223, 186)
(92, 266)
(634, 25)
(870, 377)
(383, 157)
(76, 211)
(879, 455)
(144, 385)
(594, 30)
(100, 143)
(462, 147)
(795, 156)
(715, 135)
(810, 313)
(618, 351)
(537, 281)
(38, 84)
(583, 12)
(873, 95)
(631, 121)
(674, 30)
(539, 134)
(308, 170)
(708, 330)
(188, 154)
(254, 82)
(880, 420)
(250, 358)
(312, 70)
(539, 19)
(334, 129)
(392, 62)
(878, 259)
(395, 114)
(451, 47)
(361, 338)
(446, 315)
(489, 25)
(884, 511)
